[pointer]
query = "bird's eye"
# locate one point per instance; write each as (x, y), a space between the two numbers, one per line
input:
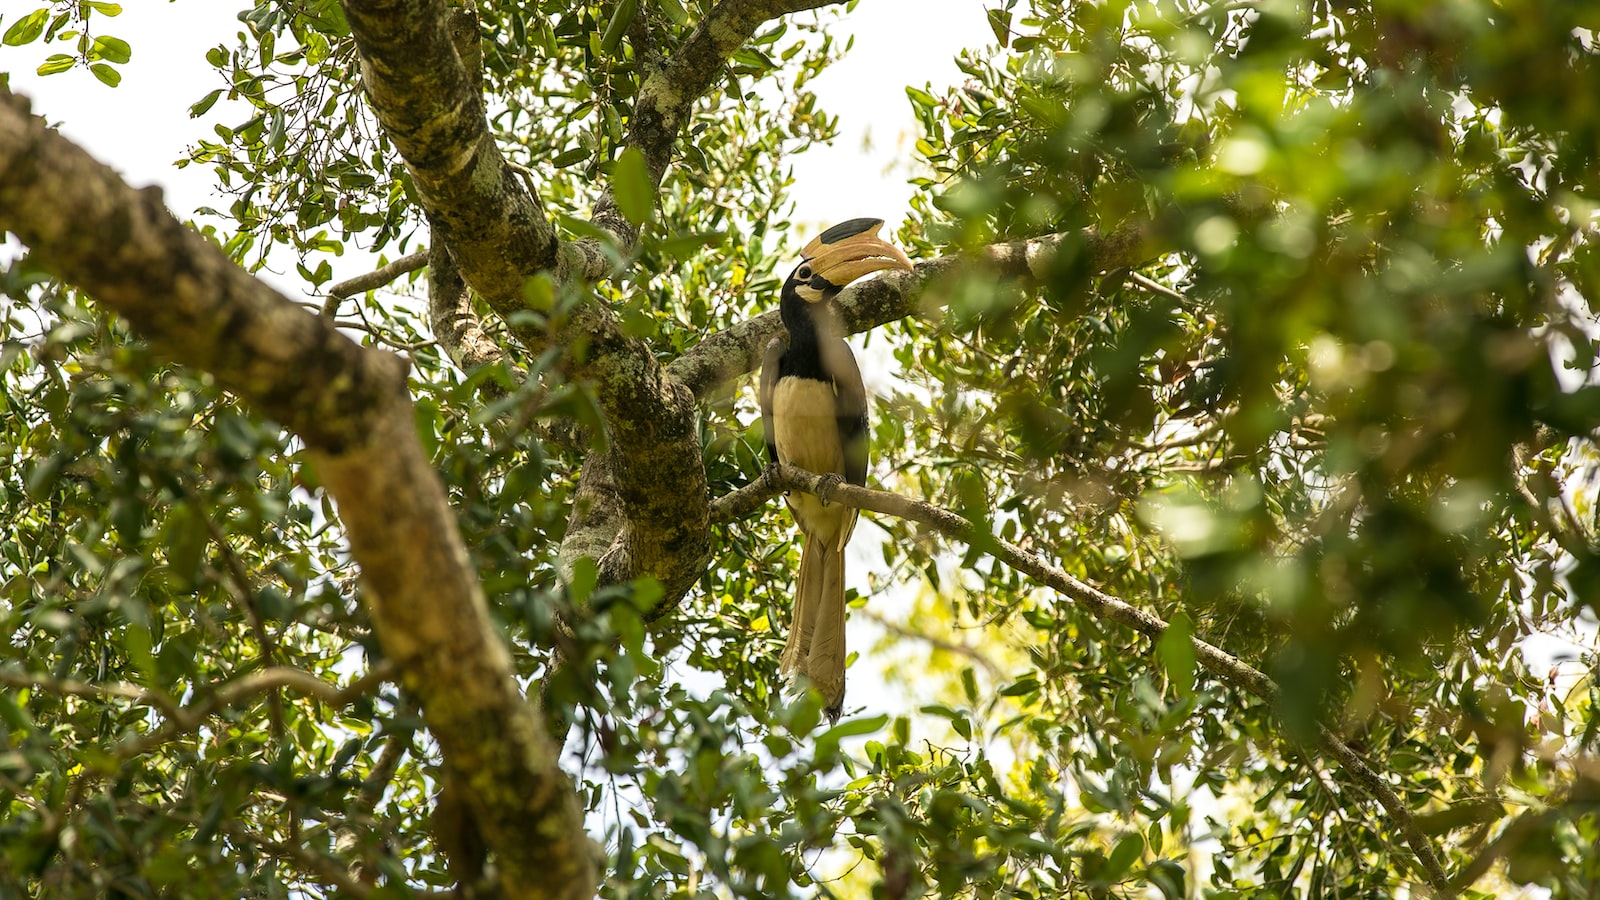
(803, 273)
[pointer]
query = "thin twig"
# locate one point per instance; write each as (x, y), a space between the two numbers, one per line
(246, 595)
(394, 750)
(323, 868)
(181, 719)
(373, 280)
(1150, 284)
(938, 643)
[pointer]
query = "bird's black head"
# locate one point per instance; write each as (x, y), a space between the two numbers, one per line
(837, 257)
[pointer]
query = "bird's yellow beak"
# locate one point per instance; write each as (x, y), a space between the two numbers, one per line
(852, 249)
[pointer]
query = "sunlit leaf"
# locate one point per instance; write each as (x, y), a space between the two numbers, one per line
(630, 184)
(27, 29)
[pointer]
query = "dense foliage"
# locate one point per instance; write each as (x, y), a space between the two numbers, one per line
(1340, 423)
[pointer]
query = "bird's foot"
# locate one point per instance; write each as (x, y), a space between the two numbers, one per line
(826, 484)
(769, 475)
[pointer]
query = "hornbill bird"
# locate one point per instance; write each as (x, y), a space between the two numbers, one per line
(814, 415)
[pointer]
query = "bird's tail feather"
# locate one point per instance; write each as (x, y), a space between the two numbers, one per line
(816, 646)
(807, 600)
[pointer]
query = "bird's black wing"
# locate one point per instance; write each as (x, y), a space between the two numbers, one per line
(851, 408)
(769, 383)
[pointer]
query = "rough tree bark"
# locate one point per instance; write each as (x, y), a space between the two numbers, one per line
(500, 239)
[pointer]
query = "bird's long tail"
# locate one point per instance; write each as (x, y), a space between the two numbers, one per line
(815, 647)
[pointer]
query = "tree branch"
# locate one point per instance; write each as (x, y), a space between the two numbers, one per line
(901, 630)
(427, 102)
(734, 351)
(377, 278)
(1219, 662)
(183, 719)
(349, 405)
(495, 232)
(455, 324)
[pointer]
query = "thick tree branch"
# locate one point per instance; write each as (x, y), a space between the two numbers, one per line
(459, 331)
(1219, 662)
(497, 235)
(349, 405)
(428, 103)
(454, 323)
(734, 351)
(661, 109)
(419, 70)
(122, 246)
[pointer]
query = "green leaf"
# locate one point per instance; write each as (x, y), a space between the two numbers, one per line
(112, 49)
(639, 321)
(317, 276)
(621, 18)
(675, 12)
(568, 157)
(136, 642)
(771, 36)
(683, 246)
(921, 98)
(56, 62)
(103, 8)
(1175, 647)
(14, 714)
(27, 29)
(186, 542)
(329, 19)
(1123, 856)
(170, 866)
(1000, 24)
(1022, 687)
(108, 76)
(1168, 876)
(217, 57)
(204, 103)
(828, 741)
(585, 575)
(276, 133)
(630, 186)
(805, 713)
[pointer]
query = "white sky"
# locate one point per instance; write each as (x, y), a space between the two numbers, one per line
(898, 43)
(142, 126)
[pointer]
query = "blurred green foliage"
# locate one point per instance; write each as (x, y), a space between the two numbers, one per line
(1340, 423)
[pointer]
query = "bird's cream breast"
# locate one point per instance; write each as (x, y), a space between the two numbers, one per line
(807, 433)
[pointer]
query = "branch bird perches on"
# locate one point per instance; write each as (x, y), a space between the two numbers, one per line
(1225, 666)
